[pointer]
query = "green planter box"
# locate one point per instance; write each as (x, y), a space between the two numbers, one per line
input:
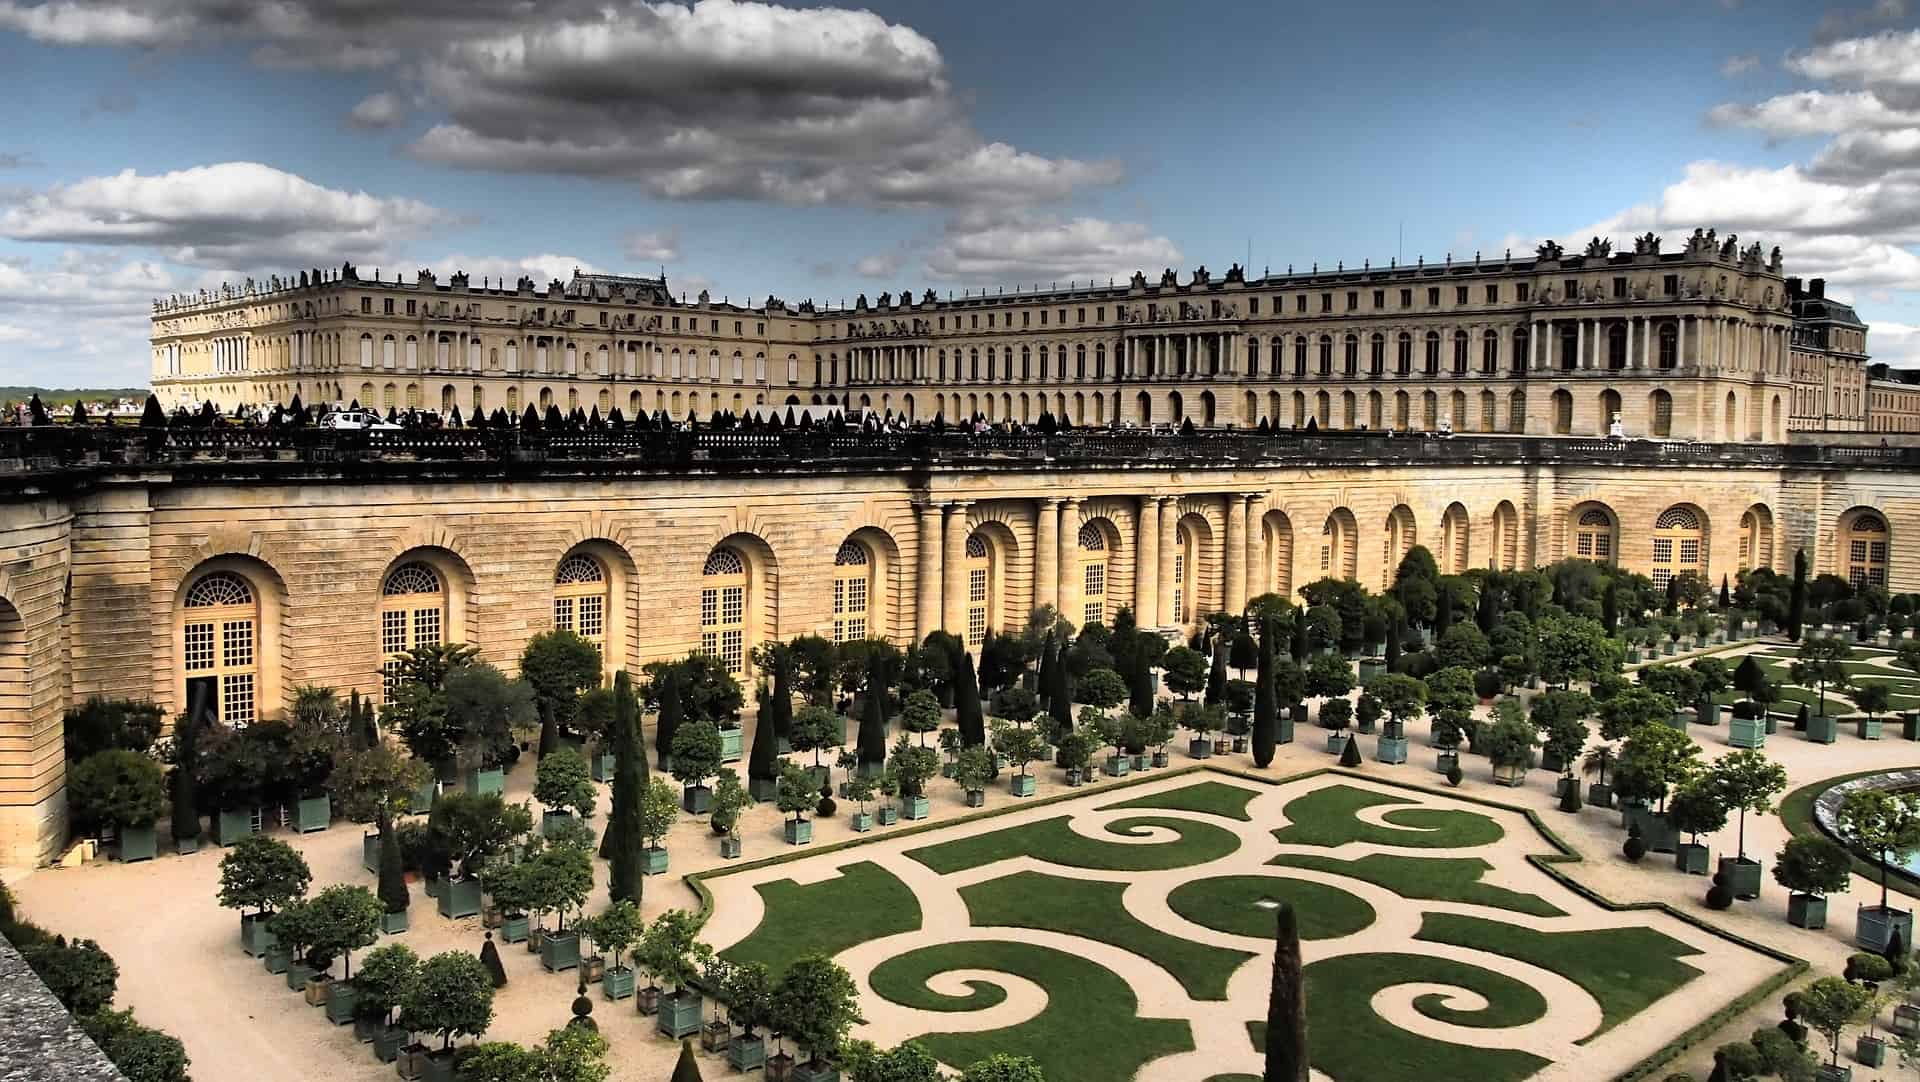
(1829, 1072)
(1371, 670)
(1633, 655)
(656, 862)
(729, 848)
(422, 798)
(1336, 743)
(1707, 713)
(915, 807)
(459, 898)
(1140, 763)
(515, 929)
(763, 790)
(889, 815)
(799, 831)
(1691, 859)
(298, 974)
(1807, 910)
(602, 765)
(1445, 762)
(696, 800)
(388, 1042)
(732, 744)
(1199, 748)
(1874, 927)
(747, 1053)
(862, 822)
(313, 814)
(186, 847)
(1389, 749)
(485, 782)
(255, 939)
(1743, 876)
(1511, 775)
(679, 1014)
(340, 1002)
(1654, 829)
(559, 950)
(370, 852)
(1867, 728)
(1822, 729)
(231, 826)
(138, 844)
(1600, 795)
(1680, 719)
(1118, 766)
(1871, 1051)
(976, 798)
(1021, 785)
(277, 959)
(393, 923)
(617, 984)
(438, 1067)
(1551, 762)
(552, 820)
(1284, 735)
(1747, 732)
(1910, 725)
(804, 1071)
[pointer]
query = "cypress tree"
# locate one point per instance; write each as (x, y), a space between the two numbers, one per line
(622, 842)
(1060, 693)
(1797, 601)
(1442, 611)
(1266, 718)
(688, 1068)
(549, 731)
(670, 716)
(872, 744)
(763, 764)
(1286, 1005)
(1486, 611)
(1726, 596)
(393, 880)
(1049, 657)
(1217, 676)
(1610, 607)
(1396, 630)
(186, 749)
(153, 416)
(1140, 689)
(1299, 647)
(966, 699)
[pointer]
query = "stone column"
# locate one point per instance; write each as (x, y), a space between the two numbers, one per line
(1235, 591)
(1258, 573)
(1046, 554)
(1066, 565)
(1169, 545)
(955, 572)
(1537, 341)
(1146, 575)
(928, 585)
(1580, 345)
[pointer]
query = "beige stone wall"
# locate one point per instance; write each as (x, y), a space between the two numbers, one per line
(35, 689)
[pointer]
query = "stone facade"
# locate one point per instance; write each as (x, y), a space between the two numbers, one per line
(1693, 344)
(132, 569)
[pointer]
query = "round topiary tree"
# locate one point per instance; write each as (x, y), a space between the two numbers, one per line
(262, 874)
(563, 783)
(116, 789)
(453, 997)
(815, 1003)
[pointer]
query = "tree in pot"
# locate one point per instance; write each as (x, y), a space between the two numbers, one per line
(261, 874)
(1450, 703)
(1335, 715)
(1872, 698)
(563, 784)
(675, 956)
(616, 928)
(453, 997)
(1076, 752)
(1184, 672)
(559, 666)
(345, 918)
(973, 772)
(293, 929)
(1509, 743)
(1746, 781)
(696, 757)
(912, 768)
(860, 789)
(1811, 867)
(1829, 1005)
(815, 1003)
(387, 977)
(796, 797)
(658, 810)
(1821, 663)
(1715, 677)
(748, 991)
(1019, 745)
(122, 791)
(1655, 761)
(1697, 808)
(920, 715)
(1887, 825)
(815, 729)
(730, 798)
(774, 721)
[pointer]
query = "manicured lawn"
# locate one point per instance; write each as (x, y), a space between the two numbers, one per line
(1624, 969)
(1090, 1028)
(1437, 879)
(1053, 841)
(1230, 903)
(1327, 817)
(1352, 1044)
(865, 902)
(1093, 910)
(1211, 797)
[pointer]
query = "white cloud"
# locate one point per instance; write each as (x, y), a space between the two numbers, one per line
(234, 214)
(660, 246)
(885, 265)
(1736, 66)
(1814, 112)
(542, 268)
(11, 333)
(715, 99)
(1890, 58)
(377, 111)
(996, 248)
(1897, 344)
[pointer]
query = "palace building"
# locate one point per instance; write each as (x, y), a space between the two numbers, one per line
(242, 563)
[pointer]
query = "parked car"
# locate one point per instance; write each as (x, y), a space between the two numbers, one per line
(357, 421)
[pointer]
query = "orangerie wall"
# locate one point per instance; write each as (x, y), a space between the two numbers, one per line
(261, 577)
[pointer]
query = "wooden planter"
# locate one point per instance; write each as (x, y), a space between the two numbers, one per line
(729, 847)
(388, 1041)
(1199, 748)
(861, 821)
(746, 1052)
(515, 927)
(340, 1002)
(370, 852)
(278, 959)
(732, 744)
(976, 798)
(317, 990)
(1807, 910)
(1021, 785)
(679, 1014)
(411, 1061)
(1691, 858)
(1510, 775)
(1868, 728)
(915, 807)
(617, 983)
(138, 844)
(889, 815)
(393, 923)
(1746, 732)
(799, 831)
(1118, 766)
(715, 1035)
(1875, 926)
(696, 800)
(1742, 877)
(313, 814)
(1600, 795)
(647, 1000)
(1822, 729)
(559, 951)
(230, 826)
(459, 898)
(655, 862)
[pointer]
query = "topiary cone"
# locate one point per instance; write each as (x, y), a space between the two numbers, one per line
(687, 1069)
(1286, 1004)
(1351, 756)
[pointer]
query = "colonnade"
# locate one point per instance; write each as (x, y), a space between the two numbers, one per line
(1716, 343)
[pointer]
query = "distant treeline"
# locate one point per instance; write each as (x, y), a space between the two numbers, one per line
(53, 396)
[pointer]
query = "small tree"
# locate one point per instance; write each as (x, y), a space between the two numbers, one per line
(1872, 698)
(452, 997)
(1746, 781)
(1509, 741)
(1001, 1067)
(1813, 864)
(1696, 809)
(658, 810)
(730, 798)
(672, 952)
(561, 781)
(182, 783)
(796, 793)
(696, 753)
(377, 779)
(1654, 762)
(1830, 1005)
(815, 1003)
(346, 918)
(1884, 823)
(815, 729)
(1402, 697)
(748, 992)
(1821, 663)
(1017, 742)
(262, 874)
(974, 769)
(621, 845)
(116, 788)
(618, 927)
(1328, 676)
(1185, 671)
(559, 665)
(394, 895)
(387, 977)
(913, 767)
(920, 715)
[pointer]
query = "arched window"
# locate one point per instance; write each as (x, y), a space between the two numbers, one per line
(1300, 355)
(1490, 353)
(1403, 357)
(1593, 535)
(1506, 537)
(1339, 546)
(1454, 530)
(1660, 413)
(1377, 355)
(723, 608)
(1093, 574)
(852, 591)
(1433, 353)
(1182, 569)
(1326, 354)
(1351, 355)
(413, 612)
(1279, 536)
(1562, 413)
(979, 568)
(220, 646)
(1401, 536)
(1679, 544)
(1459, 353)
(1864, 547)
(1756, 538)
(580, 598)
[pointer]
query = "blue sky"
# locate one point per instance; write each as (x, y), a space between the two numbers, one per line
(151, 148)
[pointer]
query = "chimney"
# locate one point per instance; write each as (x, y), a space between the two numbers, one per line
(1793, 287)
(1817, 287)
